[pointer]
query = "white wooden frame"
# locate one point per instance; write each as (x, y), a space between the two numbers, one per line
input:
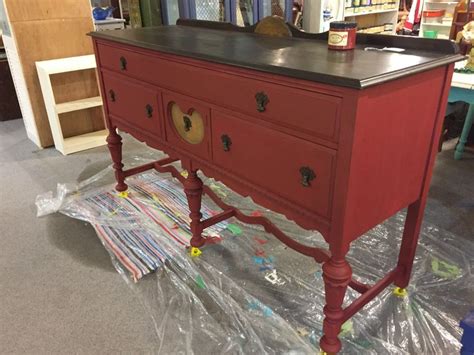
(56, 66)
(19, 81)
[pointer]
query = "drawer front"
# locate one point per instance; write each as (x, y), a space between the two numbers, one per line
(133, 103)
(187, 124)
(297, 170)
(303, 111)
(311, 113)
(125, 61)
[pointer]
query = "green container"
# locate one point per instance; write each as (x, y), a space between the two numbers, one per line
(430, 34)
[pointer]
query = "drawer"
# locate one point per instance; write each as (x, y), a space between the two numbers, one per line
(297, 170)
(133, 103)
(187, 124)
(124, 61)
(307, 112)
(311, 113)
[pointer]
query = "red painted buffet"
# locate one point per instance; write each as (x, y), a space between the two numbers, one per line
(337, 141)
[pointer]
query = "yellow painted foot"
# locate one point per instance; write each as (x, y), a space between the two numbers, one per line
(195, 252)
(123, 194)
(184, 173)
(400, 292)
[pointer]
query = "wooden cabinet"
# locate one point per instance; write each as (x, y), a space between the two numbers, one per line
(317, 135)
(137, 104)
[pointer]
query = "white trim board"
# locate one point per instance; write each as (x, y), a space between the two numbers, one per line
(21, 89)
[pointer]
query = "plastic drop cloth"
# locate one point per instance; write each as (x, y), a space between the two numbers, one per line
(249, 293)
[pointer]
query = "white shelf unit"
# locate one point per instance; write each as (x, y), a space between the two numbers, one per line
(364, 16)
(78, 105)
(437, 24)
(443, 28)
(368, 12)
(374, 17)
(57, 66)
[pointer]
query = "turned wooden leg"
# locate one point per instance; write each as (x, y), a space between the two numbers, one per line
(114, 142)
(409, 242)
(193, 191)
(337, 274)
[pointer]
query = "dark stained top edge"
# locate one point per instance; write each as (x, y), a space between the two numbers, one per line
(421, 43)
(434, 54)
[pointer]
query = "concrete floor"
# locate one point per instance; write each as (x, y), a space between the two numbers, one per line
(58, 289)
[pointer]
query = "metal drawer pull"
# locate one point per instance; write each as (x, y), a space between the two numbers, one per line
(123, 63)
(149, 111)
(187, 123)
(307, 175)
(262, 101)
(226, 142)
(112, 95)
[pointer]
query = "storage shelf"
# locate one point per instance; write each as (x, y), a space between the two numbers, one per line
(437, 24)
(78, 104)
(65, 65)
(85, 141)
(370, 12)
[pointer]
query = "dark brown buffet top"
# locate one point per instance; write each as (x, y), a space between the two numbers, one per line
(302, 58)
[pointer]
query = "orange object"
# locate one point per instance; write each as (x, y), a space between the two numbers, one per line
(434, 13)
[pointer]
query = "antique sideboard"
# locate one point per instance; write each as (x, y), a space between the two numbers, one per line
(336, 141)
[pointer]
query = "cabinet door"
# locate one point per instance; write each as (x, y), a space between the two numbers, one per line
(132, 103)
(297, 170)
(187, 124)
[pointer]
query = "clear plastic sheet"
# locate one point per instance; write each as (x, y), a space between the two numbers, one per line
(249, 293)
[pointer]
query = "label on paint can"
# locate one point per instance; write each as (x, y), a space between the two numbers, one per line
(338, 38)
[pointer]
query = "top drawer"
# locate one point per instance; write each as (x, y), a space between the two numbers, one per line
(306, 112)
(125, 61)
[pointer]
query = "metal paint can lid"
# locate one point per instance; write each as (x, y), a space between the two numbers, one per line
(341, 25)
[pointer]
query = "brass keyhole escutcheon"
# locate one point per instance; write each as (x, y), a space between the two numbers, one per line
(149, 111)
(226, 142)
(123, 63)
(262, 100)
(188, 125)
(307, 175)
